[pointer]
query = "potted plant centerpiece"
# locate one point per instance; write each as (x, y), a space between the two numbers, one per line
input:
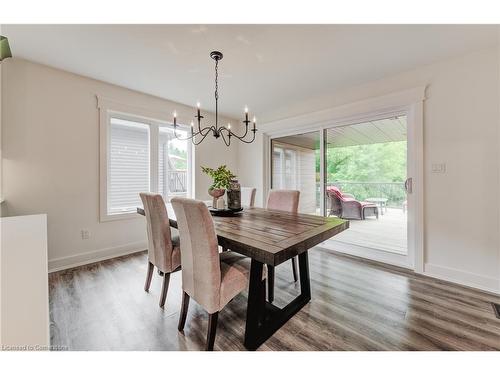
(221, 180)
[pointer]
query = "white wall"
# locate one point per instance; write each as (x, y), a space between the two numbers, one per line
(50, 144)
(461, 122)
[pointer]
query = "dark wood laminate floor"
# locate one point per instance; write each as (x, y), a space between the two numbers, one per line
(356, 305)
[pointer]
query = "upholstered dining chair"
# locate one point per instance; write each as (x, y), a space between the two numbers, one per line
(211, 278)
(163, 249)
(282, 200)
(248, 196)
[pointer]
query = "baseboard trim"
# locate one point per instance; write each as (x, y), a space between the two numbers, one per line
(62, 263)
(487, 284)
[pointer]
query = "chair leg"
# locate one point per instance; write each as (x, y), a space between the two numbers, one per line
(164, 289)
(149, 276)
(294, 269)
(184, 311)
(270, 283)
(212, 330)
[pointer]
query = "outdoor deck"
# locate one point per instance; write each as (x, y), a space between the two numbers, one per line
(388, 233)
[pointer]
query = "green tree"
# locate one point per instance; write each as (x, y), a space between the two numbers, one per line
(179, 164)
(379, 162)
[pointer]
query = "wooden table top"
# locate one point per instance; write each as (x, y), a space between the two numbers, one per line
(269, 236)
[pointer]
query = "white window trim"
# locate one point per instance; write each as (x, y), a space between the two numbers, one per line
(109, 108)
(409, 102)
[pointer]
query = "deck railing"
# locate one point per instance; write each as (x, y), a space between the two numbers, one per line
(177, 181)
(393, 191)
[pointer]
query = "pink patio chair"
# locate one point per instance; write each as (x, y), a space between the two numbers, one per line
(345, 206)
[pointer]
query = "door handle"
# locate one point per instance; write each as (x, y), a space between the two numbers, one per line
(409, 185)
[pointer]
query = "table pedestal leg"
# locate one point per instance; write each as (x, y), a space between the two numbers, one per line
(264, 318)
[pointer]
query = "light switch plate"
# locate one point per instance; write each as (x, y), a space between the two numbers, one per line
(85, 234)
(438, 168)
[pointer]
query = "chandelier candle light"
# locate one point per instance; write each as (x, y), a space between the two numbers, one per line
(217, 131)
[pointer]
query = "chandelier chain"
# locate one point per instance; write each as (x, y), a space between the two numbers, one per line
(216, 79)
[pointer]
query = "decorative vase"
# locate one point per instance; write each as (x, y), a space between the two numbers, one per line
(234, 195)
(216, 194)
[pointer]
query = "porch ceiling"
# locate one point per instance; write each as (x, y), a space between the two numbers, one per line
(380, 131)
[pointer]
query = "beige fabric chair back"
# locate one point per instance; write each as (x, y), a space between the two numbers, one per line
(201, 274)
(159, 237)
(248, 196)
(283, 200)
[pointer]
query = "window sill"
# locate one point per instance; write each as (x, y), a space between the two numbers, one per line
(116, 217)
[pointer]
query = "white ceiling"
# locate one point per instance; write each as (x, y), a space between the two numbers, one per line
(264, 66)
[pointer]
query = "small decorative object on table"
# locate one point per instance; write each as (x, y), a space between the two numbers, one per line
(216, 194)
(224, 211)
(234, 195)
(220, 204)
(221, 180)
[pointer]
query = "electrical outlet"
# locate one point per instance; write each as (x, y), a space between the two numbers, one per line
(438, 168)
(85, 234)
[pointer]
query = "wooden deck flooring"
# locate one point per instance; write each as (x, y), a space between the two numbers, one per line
(356, 305)
(387, 233)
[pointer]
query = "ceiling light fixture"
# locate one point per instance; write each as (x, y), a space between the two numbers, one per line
(226, 133)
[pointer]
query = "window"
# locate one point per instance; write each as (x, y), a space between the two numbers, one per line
(140, 155)
(128, 164)
(173, 161)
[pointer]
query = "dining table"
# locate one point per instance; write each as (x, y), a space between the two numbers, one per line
(270, 237)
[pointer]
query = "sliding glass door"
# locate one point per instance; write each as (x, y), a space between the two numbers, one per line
(295, 166)
(356, 172)
(366, 173)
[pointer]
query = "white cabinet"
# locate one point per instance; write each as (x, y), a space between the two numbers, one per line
(24, 297)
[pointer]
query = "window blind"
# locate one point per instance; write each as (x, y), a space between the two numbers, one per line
(295, 168)
(128, 164)
(284, 168)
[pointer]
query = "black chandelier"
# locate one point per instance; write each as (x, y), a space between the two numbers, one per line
(217, 131)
